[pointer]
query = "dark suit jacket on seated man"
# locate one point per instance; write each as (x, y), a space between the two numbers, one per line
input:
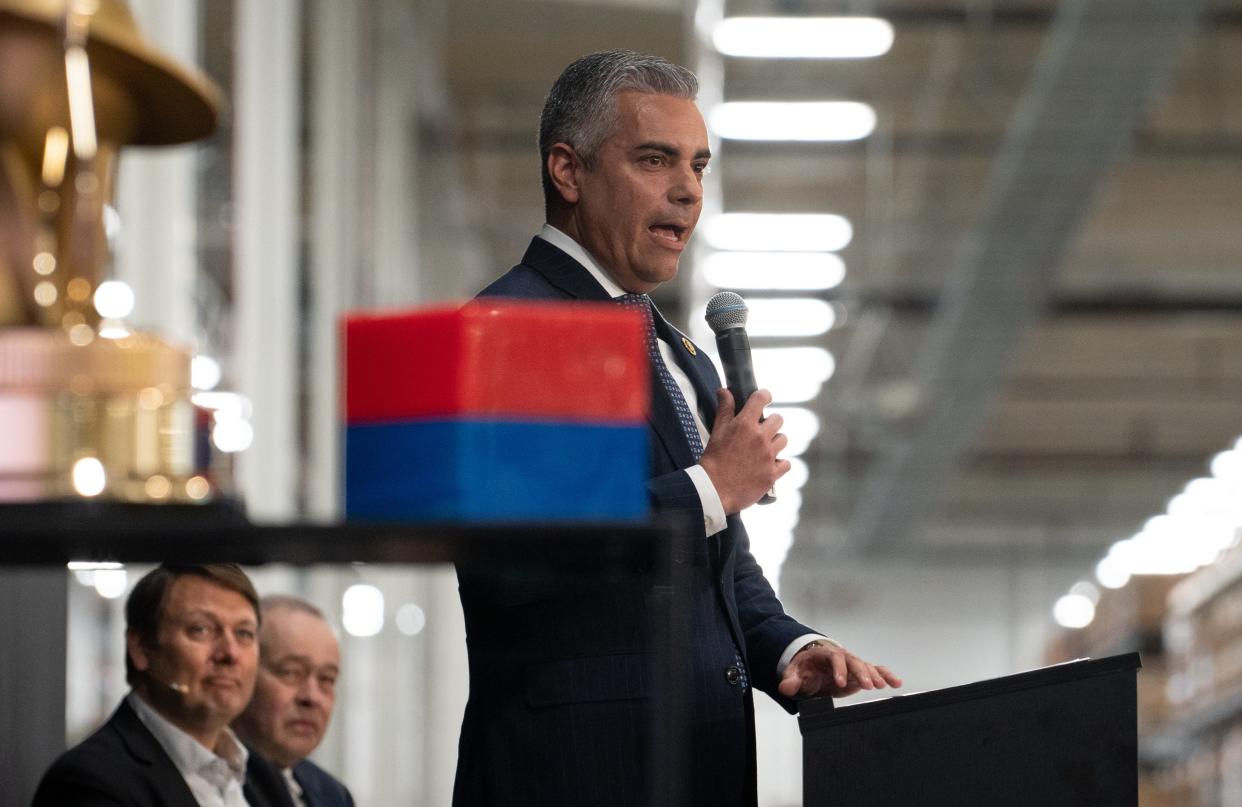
(191, 655)
(560, 672)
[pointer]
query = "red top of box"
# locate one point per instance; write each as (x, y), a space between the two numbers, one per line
(497, 358)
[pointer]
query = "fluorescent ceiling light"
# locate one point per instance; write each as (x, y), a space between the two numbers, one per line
(1227, 465)
(1074, 611)
(1147, 553)
(779, 516)
(794, 120)
(784, 232)
(774, 270)
(800, 426)
(772, 526)
(793, 374)
(800, 316)
(1112, 573)
(803, 37)
(796, 478)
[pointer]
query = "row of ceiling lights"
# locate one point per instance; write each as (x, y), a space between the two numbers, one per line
(786, 252)
(798, 253)
(1198, 526)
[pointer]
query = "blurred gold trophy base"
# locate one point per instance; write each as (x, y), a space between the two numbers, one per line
(81, 414)
(110, 419)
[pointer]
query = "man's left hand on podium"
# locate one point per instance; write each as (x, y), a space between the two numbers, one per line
(821, 668)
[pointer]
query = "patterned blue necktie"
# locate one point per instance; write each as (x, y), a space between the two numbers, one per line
(642, 303)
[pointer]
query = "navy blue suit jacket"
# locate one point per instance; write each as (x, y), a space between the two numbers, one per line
(123, 765)
(561, 670)
(319, 788)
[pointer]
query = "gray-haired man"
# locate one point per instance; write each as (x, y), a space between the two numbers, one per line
(299, 661)
(560, 671)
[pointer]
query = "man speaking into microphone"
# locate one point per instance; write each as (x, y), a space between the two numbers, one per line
(560, 671)
(191, 656)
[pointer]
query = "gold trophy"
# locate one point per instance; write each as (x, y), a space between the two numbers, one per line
(84, 413)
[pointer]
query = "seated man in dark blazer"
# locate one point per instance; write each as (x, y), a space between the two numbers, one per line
(562, 680)
(192, 648)
(299, 661)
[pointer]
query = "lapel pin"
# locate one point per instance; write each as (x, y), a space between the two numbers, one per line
(685, 340)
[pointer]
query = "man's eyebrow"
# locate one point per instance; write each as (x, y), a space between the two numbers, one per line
(288, 657)
(196, 612)
(306, 661)
(199, 613)
(671, 151)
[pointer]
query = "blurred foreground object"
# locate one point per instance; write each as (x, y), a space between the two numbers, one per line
(87, 407)
(497, 411)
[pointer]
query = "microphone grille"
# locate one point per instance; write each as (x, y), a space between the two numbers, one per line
(725, 310)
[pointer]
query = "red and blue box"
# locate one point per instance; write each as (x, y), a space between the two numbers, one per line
(497, 410)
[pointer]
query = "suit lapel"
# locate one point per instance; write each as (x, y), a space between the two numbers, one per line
(572, 278)
(164, 777)
(563, 272)
(697, 367)
(309, 784)
(265, 784)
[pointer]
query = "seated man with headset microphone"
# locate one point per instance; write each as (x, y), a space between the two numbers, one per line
(191, 654)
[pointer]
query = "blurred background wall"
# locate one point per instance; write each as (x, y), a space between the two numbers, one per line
(1008, 348)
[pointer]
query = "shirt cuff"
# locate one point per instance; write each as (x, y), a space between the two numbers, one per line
(795, 646)
(714, 519)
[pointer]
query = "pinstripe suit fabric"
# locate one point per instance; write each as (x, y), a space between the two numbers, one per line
(561, 675)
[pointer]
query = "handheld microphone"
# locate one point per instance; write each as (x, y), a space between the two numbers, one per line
(726, 316)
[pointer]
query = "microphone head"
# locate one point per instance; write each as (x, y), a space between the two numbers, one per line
(726, 310)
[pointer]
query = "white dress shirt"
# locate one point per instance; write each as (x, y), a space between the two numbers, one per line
(295, 790)
(215, 778)
(713, 510)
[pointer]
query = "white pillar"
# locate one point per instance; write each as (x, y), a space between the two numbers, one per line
(396, 148)
(156, 198)
(266, 137)
(336, 257)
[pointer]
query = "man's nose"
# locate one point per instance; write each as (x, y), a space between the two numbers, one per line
(226, 649)
(308, 693)
(688, 187)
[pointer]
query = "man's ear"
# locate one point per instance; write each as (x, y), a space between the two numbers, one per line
(563, 167)
(137, 651)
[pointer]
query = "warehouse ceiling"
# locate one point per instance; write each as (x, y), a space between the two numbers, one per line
(1043, 338)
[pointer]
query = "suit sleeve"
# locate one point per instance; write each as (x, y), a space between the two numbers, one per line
(674, 495)
(64, 786)
(767, 628)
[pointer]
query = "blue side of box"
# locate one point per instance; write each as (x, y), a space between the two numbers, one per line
(495, 470)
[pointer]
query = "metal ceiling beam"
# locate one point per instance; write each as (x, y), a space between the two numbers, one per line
(1101, 64)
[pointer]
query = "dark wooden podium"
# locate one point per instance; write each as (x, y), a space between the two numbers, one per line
(1064, 735)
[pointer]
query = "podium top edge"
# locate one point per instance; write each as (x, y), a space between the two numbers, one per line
(815, 714)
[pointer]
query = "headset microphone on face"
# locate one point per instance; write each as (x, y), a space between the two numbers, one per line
(180, 688)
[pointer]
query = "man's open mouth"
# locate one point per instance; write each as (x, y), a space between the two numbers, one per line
(672, 232)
